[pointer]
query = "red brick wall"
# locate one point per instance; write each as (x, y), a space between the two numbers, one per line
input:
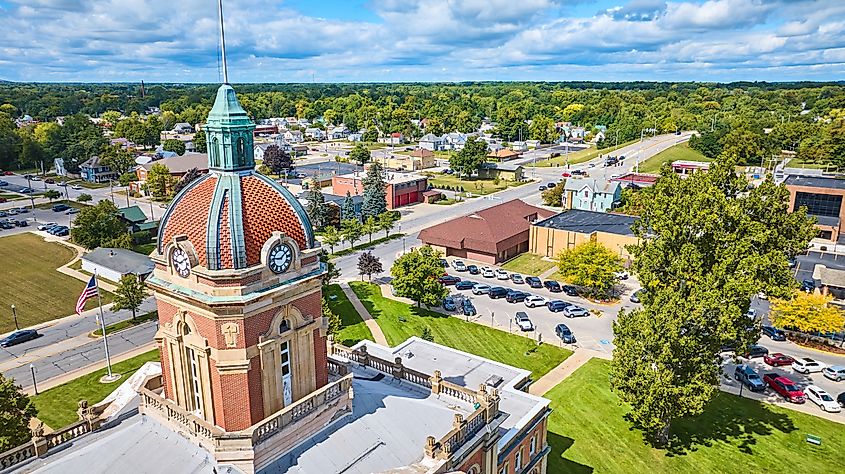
(165, 372)
(540, 432)
(236, 413)
(472, 460)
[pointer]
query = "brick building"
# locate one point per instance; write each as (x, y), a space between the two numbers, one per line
(822, 197)
(402, 189)
(549, 237)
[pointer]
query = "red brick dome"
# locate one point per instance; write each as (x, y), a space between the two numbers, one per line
(228, 217)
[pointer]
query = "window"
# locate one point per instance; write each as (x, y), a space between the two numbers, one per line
(194, 382)
(505, 469)
(533, 447)
(517, 460)
(827, 205)
(241, 151)
(284, 352)
(215, 155)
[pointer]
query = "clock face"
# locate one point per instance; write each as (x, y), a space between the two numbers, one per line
(181, 263)
(280, 258)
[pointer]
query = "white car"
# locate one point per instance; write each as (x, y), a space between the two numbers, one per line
(501, 274)
(76, 187)
(46, 226)
(534, 301)
(806, 365)
(459, 266)
(834, 372)
(522, 321)
(488, 273)
(822, 399)
(573, 311)
(480, 289)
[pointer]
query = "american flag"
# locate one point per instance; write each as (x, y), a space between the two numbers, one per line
(89, 292)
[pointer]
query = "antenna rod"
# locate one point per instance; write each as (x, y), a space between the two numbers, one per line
(223, 43)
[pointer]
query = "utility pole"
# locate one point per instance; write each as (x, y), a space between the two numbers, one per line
(34, 383)
(15, 317)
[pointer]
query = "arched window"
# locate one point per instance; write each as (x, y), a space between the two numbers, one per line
(215, 154)
(241, 151)
(284, 327)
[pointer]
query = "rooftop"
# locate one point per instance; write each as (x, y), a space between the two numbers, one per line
(587, 222)
(391, 177)
(597, 185)
(181, 164)
(815, 182)
(133, 214)
(120, 260)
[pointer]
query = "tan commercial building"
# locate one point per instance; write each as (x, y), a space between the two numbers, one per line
(822, 197)
(419, 159)
(550, 237)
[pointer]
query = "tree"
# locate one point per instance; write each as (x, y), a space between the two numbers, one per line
(426, 334)
(543, 128)
(52, 194)
(370, 227)
(84, 198)
(369, 264)
(192, 175)
(387, 221)
(159, 180)
(347, 209)
(707, 246)
(554, 196)
(315, 206)
(352, 229)
(375, 195)
(122, 241)
(277, 159)
(745, 146)
(16, 411)
(807, 313)
(360, 154)
(592, 266)
(415, 276)
(129, 294)
(200, 145)
(371, 135)
(335, 323)
(96, 225)
(117, 159)
(332, 273)
(126, 178)
(176, 146)
(633, 200)
(470, 158)
(331, 237)
(111, 117)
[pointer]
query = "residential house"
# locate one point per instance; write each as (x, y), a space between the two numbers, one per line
(178, 165)
(94, 171)
(503, 154)
(113, 264)
(136, 220)
(304, 123)
(534, 144)
(519, 146)
(339, 132)
(550, 237)
(598, 136)
(394, 138)
(355, 137)
(183, 127)
(432, 142)
(503, 171)
(591, 194)
(315, 133)
(293, 136)
(456, 140)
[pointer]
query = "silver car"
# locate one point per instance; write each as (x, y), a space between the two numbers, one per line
(480, 289)
(575, 311)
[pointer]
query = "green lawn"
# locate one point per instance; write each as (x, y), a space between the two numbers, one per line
(470, 185)
(32, 284)
(580, 156)
(11, 197)
(88, 185)
(367, 243)
(681, 151)
(528, 264)
(126, 324)
(400, 321)
(587, 433)
(57, 406)
(145, 249)
(354, 330)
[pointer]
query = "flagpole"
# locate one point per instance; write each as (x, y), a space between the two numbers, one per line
(103, 326)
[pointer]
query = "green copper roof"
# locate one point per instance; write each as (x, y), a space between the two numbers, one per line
(227, 108)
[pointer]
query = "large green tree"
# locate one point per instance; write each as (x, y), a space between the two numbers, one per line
(347, 209)
(708, 245)
(16, 410)
(174, 145)
(415, 276)
(129, 294)
(316, 207)
(117, 159)
(160, 181)
(375, 195)
(469, 159)
(360, 154)
(94, 226)
(592, 266)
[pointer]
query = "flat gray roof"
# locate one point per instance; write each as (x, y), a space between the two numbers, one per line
(587, 222)
(120, 260)
(815, 182)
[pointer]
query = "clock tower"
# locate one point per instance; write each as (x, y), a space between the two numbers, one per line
(237, 281)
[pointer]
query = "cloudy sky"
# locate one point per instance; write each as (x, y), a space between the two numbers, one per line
(423, 40)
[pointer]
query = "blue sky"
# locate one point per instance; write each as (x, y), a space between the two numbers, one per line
(423, 40)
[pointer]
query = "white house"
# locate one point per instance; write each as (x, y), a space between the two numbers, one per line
(112, 264)
(355, 137)
(455, 140)
(293, 136)
(183, 127)
(303, 122)
(432, 142)
(315, 133)
(519, 146)
(339, 132)
(532, 143)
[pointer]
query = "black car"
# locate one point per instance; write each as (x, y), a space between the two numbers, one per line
(774, 333)
(449, 280)
(444, 263)
(557, 305)
(570, 290)
(497, 292)
(449, 304)
(551, 185)
(552, 286)
(516, 296)
(21, 223)
(473, 270)
(808, 285)
(464, 285)
(534, 282)
(60, 207)
(756, 351)
(562, 331)
(841, 399)
(468, 308)
(19, 337)
(542, 188)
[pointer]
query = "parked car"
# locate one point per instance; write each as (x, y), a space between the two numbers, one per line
(62, 232)
(473, 270)
(756, 351)
(556, 306)
(834, 372)
(464, 285)
(448, 280)
(774, 333)
(522, 321)
(517, 278)
(449, 304)
(23, 210)
(22, 223)
(50, 181)
(805, 365)
(541, 188)
(35, 178)
(480, 289)
(516, 296)
(821, 398)
(444, 263)
(26, 190)
(46, 226)
(749, 377)
(468, 308)
(637, 295)
(534, 282)
(71, 211)
(569, 290)
(60, 207)
(551, 184)
(778, 360)
(785, 387)
(562, 331)
(19, 337)
(841, 399)
(488, 273)
(501, 274)
(808, 286)
(497, 292)
(3, 183)
(552, 286)
(573, 311)
(78, 187)
(533, 301)
(459, 266)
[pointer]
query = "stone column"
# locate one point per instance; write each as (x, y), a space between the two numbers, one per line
(398, 368)
(436, 380)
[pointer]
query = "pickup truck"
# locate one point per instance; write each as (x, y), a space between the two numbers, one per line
(749, 377)
(785, 387)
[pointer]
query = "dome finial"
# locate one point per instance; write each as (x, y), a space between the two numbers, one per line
(223, 42)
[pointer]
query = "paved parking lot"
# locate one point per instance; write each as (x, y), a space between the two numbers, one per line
(35, 218)
(805, 263)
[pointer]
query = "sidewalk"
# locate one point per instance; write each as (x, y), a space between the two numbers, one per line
(371, 323)
(565, 369)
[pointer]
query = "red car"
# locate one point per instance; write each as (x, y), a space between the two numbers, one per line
(777, 359)
(566, 174)
(448, 280)
(785, 387)
(8, 173)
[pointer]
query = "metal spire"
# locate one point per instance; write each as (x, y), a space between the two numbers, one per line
(223, 42)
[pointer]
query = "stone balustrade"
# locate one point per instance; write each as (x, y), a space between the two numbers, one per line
(17, 455)
(169, 412)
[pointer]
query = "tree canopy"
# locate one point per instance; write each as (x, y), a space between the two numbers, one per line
(415, 276)
(95, 226)
(469, 159)
(808, 313)
(592, 266)
(129, 294)
(375, 195)
(16, 410)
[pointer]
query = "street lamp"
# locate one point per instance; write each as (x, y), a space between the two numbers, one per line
(15, 317)
(34, 383)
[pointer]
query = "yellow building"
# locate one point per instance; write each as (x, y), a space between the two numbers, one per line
(419, 159)
(549, 237)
